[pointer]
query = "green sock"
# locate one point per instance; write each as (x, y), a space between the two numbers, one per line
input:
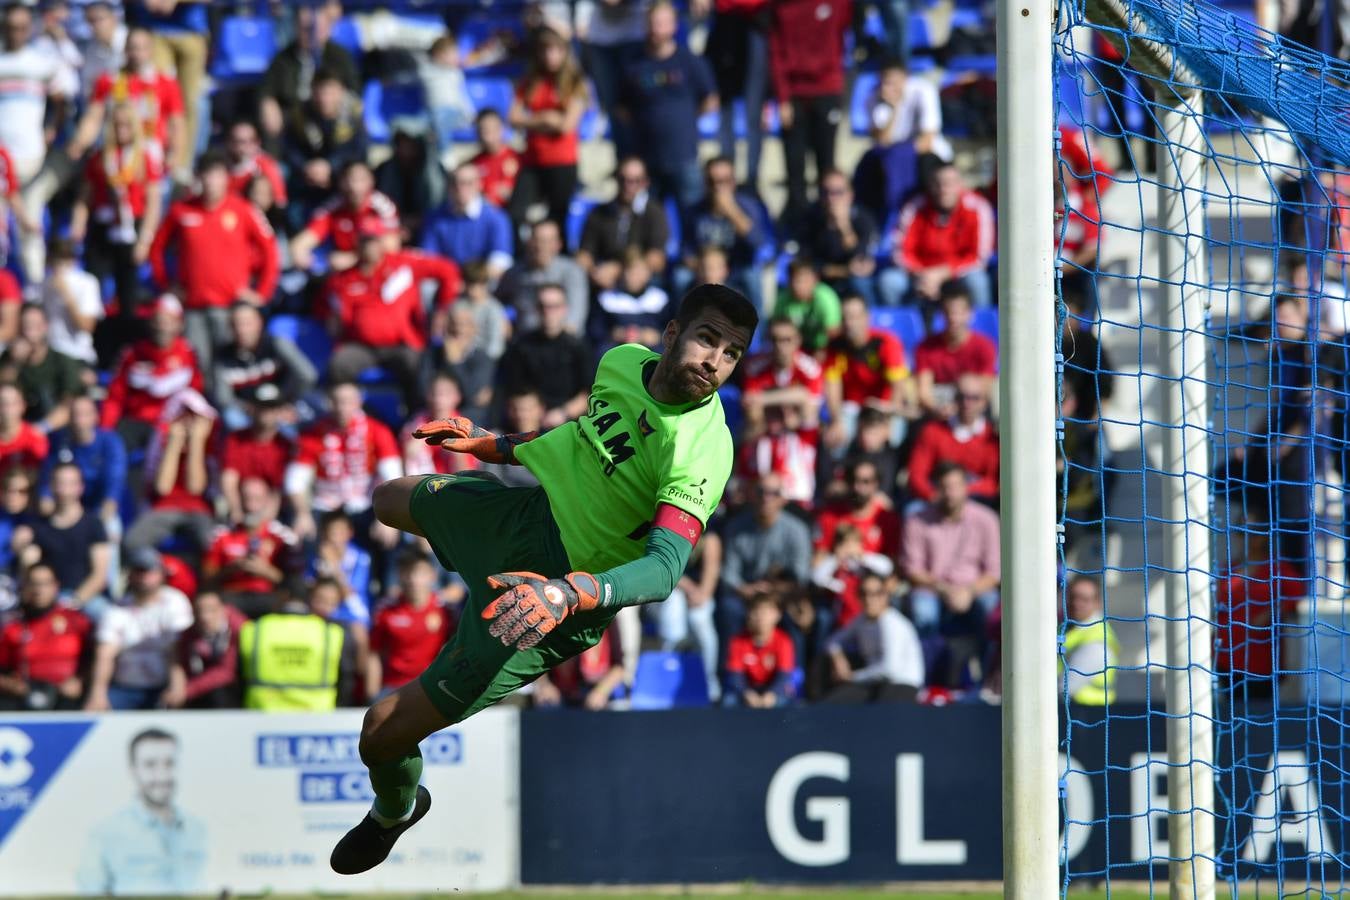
(395, 785)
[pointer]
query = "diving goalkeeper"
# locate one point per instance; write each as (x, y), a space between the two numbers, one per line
(625, 492)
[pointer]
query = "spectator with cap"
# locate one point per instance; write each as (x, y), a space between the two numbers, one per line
(99, 454)
(148, 373)
(663, 91)
(841, 237)
(72, 540)
(461, 357)
(321, 137)
(248, 161)
(865, 367)
(633, 219)
(549, 101)
(204, 673)
(551, 360)
(376, 316)
(289, 80)
(877, 657)
(226, 251)
(73, 300)
(179, 465)
(248, 561)
(252, 359)
(806, 65)
(118, 207)
(358, 208)
(951, 558)
(49, 380)
(497, 161)
(968, 439)
(761, 660)
(545, 263)
(339, 460)
(180, 31)
(410, 628)
(956, 350)
(22, 445)
(729, 219)
(44, 650)
(136, 639)
(412, 177)
(947, 234)
(260, 451)
(468, 227)
(760, 544)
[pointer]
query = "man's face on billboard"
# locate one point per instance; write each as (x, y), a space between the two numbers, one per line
(154, 765)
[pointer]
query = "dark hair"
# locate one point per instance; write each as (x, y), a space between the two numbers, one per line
(323, 581)
(525, 392)
(351, 164)
(800, 263)
(40, 564)
(850, 295)
(728, 301)
(475, 271)
(892, 64)
(242, 121)
(487, 112)
(954, 289)
(342, 382)
(717, 161)
(68, 464)
(851, 468)
(869, 416)
(763, 598)
(410, 558)
(783, 320)
(332, 516)
(61, 248)
(1085, 579)
(244, 304)
(212, 159)
(945, 468)
(30, 306)
(326, 74)
(149, 734)
(548, 286)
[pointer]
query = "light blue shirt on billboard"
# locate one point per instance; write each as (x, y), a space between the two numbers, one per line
(136, 852)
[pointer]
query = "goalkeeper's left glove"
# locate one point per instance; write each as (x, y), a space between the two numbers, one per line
(533, 605)
(461, 435)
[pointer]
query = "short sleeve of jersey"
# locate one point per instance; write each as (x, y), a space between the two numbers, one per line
(699, 467)
(892, 354)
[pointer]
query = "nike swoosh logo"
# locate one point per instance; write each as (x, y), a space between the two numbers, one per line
(441, 684)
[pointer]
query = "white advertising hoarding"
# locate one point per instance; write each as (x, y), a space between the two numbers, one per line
(240, 801)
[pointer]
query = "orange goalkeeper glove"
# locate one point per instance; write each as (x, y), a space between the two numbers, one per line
(461, 435)
(533, 605)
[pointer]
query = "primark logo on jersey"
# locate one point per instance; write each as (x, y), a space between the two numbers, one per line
(329, 766)
(31, 754)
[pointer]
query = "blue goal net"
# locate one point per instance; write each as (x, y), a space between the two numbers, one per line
(1204, 236)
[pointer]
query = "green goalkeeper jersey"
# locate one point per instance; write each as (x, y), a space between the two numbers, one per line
(606, 472)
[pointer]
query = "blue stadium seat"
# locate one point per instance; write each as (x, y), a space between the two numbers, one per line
(244, 48)
(986, 322)
(384, 403)
(731, 406)
(307, 334)
(859, 107)
(985, 64)
(669, 680)
(673, 220)
(902, 321)
(490, 92)
(969, 18)
(383, 103)
(577, 211)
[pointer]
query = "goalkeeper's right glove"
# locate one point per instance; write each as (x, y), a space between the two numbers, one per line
(461, 435)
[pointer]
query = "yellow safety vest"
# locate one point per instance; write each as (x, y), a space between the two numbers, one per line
(1100, 688)
(290, 663)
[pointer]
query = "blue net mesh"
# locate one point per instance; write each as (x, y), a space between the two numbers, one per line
(1268, 234)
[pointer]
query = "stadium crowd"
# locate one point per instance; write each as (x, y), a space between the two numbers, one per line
(235, 286)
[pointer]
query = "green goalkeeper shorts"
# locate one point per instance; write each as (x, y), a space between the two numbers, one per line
(478, 527)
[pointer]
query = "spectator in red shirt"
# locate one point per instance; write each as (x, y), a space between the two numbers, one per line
(497, 161)
(761, 659)
(945, 235)
(22, 445)
(226, 252)
(967, 438)
(1078, 201)
(840, 573)
(943, 357)
(342, 220)
(806, 65)
(867, 508)
(117, 212)
(339, 461)
(155, 98)
(376, 313)
(244, 152)
(150, 372)
(549, 101)
(865, 367)
(248, 561)
(409, 630)
(784, 375)
(260, 451)
(44, 652)
(1252, 605)
(178, 465)
(204, 673)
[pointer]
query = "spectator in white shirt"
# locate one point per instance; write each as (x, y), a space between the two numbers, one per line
(74, 303)
(877, 656)
(907, 108)
(136, 640)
